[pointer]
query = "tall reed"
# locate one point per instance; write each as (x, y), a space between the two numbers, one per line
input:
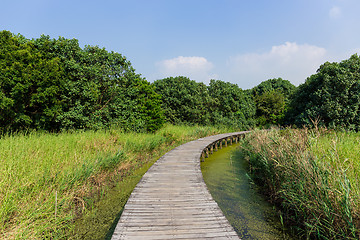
(316, 189)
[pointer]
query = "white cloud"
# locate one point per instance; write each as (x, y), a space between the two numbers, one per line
(196, 68)
(289, 61)
(335, 12)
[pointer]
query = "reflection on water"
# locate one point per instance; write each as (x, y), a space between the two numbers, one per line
(250, 215)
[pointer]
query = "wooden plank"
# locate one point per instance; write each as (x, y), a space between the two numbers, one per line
(172, 201)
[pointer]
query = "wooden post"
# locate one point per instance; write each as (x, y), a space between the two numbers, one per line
(211, 149)
(226, 141)
(202, 157)
(207, 153)
(236, 139)
(216, 146)
(221, 143)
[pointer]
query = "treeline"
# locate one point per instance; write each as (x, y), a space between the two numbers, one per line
(54, 85)
(330, 98)
(223, 103)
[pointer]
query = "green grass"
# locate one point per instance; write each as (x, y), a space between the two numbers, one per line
(313, 176)
(341, 150)
(49, 182)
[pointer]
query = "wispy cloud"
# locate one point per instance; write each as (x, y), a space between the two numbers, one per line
(335, 12)
(290, 61)
(196, 68)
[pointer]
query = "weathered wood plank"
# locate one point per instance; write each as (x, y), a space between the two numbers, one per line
(172, 201)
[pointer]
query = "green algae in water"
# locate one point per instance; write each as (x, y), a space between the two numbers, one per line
(251, 216)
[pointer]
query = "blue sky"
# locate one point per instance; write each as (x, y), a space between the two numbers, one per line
(238, 41)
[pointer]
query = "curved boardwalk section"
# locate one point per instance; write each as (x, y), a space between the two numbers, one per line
(172, 201)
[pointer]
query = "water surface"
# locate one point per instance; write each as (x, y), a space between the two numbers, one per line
(250, 215)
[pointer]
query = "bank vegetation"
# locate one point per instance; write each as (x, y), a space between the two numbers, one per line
(312, 176)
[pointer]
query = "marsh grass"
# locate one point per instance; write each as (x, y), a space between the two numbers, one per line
(47, 181)
(312, 175)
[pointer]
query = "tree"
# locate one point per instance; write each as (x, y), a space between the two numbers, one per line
(231, 105)
(270, 107)
(272, 98)
(30, 84)
(184, 100)
(220, 103)
(53, 84)
(285, 87)
(332, 95)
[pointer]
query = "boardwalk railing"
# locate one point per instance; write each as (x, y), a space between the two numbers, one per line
(172, 201)
(218, 144)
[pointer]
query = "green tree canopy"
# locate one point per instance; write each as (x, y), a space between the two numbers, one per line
(332, 95)
(184, 100)
(220, 103)
(231, 105)
(30, 84)
(54, 84)
(271, 98)
(285, 87)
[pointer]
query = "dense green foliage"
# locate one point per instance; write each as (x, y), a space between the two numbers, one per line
(331, 96)
(54, 84)
(29, 84)
(184, 100)
(231, 106)
(272, 98)
(276, 84)
(220, 103)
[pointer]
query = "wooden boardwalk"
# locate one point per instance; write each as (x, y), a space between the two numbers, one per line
(172, 201)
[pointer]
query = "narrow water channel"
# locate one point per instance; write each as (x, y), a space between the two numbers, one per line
(250, 215)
